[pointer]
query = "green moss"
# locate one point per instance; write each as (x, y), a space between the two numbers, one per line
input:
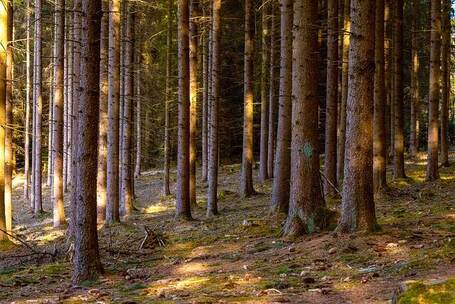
(420, 293)
(6, 245)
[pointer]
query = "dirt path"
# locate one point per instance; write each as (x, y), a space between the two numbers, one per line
(240, 256)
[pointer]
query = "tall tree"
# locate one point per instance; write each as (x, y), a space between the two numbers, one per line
(183, 206)
(330, 165)
(434, 87)
(167, 140)
(138, 69)
(415, 86)
(58, 204)
(263, 149)
(246, 180)
(272, 96)
(87, 264)
(379, 134)
(357, 210)
(9, 121)
(112, 206)
(205, 93)
(306, 203)
(445, 64)
(103, 119)
(27, 105)
(398, 101)
(212, 194)
(3, 55)
(280, 189)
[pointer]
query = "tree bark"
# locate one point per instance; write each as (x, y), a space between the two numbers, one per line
(246, 180)
(307, 212)
(9, 120)
(138, 98)
(357, 210)
(205, 98)
(398, 101)
(434, 87)
(263, 149)
(280, 189)
(87, 263)
(415, 71)
(272, 98)
(379, 134)
(212, 194)
(183, 206)
(330, 165)
(112, 206)
(3, 64)
(27, 107)
(58, 203)
(446, 45)
(167, 156)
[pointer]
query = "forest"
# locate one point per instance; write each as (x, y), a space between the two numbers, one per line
(227, 151)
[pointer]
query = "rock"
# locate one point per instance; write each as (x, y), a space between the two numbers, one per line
(332, 250)
(418, 246)
(291, 249)
(319, 290)
(138, 273)
(368, 269)
(347, 279)
(391, 245)
(402, 241)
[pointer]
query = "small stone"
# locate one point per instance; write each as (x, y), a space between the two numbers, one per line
(402, 241)
(332, 250)
(347, 279)
(291, 249)
(418, 246)
(315, 290)
(392, 245)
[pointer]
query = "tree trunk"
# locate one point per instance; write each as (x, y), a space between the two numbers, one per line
(27, 107)
(37, 173)
(272, 98)
(103, 119)
(127, 161)
(398, 101)
(167, 140)
(344, 91)
(306, 203)
(87, 264)
(138, 98)
(183, 206)
(330, 166)
(112, 206)
(280, 189)
(379, 135)
(205, 98)
(212, 194)
(388, 70)
(246, 181)
(263, 152)
(9, 120)
(3, 64)
(435, 75)
(446, 45)
(415, 71)
(58, 203)
(357, 210)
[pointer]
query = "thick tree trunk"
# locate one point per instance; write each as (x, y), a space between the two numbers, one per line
(263, 152)
(344, 91)
(398, 101)
(112, 206)
(3, 64)
(183, 206)
(58, 203)
(127, 161)
(27, 106)
(280, 189)
(415, 71)
(379, 134)
(246, 180)
(103, 119)
(306, 203)
(9, 120)
(167, 139)
(357, 210)
(446, 45)
(272, 98)
(212, 193)
(435, 78)
(330, 166)
(87, 264)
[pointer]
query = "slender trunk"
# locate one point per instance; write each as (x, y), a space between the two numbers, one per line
(27, 106)
(87, 264)
(280, 189)
(446, 44)
(103, 119)
(358, 210)
(3, 64)
(330, 165)
(415, 71)
(194, 87)
(398, 102)
(58, 204)
(112, 206)
(434, 87)
(138, 98)
(212, 193)
(388, 24)
(306, 203)
(272, 98)
(167, 139)
(9, 121)
(344, 91)
(246, 181)
(183, 205)
(263, 153)
(205, 99)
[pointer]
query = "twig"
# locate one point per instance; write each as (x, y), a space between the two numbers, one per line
(26, 244)
(330, 183)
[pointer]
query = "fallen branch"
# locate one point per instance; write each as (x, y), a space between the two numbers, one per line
(330, 183)
(35, 251)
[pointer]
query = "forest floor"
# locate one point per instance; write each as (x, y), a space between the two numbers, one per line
(240, 255)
